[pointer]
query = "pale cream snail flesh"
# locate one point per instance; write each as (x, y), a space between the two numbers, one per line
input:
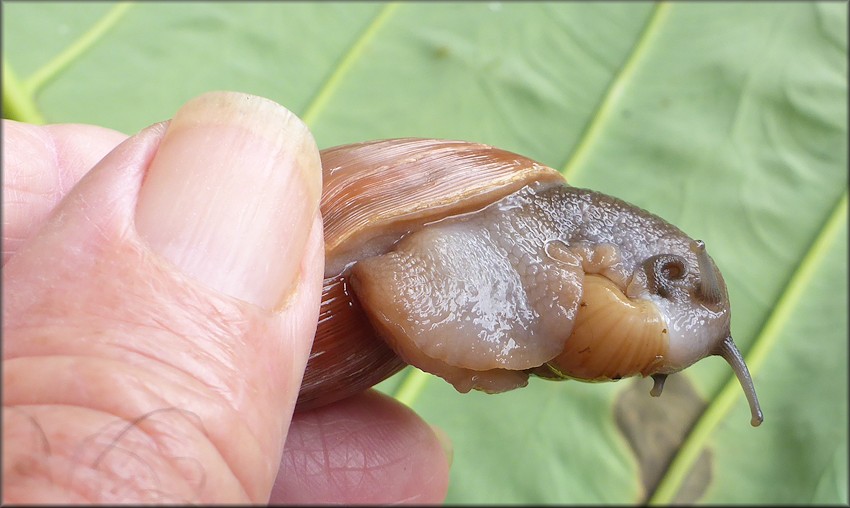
(484, 267)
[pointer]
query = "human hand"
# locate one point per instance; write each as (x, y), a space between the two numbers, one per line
(158, 312)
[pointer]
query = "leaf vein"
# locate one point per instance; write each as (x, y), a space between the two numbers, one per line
(52, 68)
(18, 103)
(326, 91)
(615, 90)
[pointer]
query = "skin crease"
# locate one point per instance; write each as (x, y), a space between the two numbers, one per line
(125, 380)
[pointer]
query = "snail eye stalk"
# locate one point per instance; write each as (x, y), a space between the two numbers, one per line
(709, 285)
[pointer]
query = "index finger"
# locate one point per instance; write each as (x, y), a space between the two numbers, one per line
(40, 166)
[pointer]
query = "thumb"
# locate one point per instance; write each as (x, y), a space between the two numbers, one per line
(157, 327)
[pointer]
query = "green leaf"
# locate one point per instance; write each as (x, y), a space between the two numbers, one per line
(727, 119)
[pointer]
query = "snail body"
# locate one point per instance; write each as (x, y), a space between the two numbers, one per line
(484, 267)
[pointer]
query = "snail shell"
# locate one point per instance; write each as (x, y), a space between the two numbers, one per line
(484, 267)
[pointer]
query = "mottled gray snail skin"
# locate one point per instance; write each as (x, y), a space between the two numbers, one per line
(483, 267)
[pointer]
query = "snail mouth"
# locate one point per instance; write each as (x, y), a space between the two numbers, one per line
(614, 336)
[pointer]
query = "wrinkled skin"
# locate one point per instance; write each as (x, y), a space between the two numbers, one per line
(125, 380)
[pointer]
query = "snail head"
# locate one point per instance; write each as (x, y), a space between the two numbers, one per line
(690, 292)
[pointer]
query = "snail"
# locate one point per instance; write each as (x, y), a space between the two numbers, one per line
(484, 267)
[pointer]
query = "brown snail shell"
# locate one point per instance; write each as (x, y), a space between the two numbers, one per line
(484, 267)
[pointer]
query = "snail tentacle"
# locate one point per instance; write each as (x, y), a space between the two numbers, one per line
(730, 353)
(710, 288)
(657, 384)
